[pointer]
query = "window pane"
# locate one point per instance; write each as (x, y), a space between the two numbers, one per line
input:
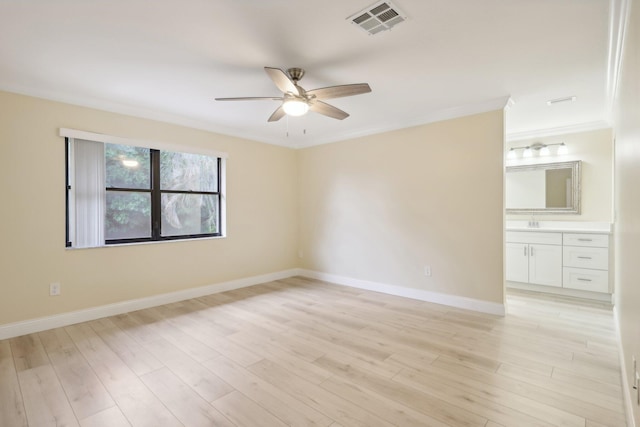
(128, 215)
(184, 214)
(127, 167)
(188, 172)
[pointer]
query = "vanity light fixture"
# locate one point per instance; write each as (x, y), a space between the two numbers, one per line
(563, 150)
(542, 149)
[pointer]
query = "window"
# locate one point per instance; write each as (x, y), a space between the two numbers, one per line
(119, 193)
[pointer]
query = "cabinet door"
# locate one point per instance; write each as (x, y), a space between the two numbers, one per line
(545, 265)
(517, 260)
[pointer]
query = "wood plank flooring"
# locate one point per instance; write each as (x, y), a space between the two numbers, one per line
(300, 352)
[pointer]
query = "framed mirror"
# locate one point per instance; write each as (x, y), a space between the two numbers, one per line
(547, 188)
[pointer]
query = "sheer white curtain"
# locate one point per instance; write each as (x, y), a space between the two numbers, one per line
(88, 179)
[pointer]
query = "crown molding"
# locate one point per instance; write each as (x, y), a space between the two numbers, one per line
(139, 112)
(619, 12)
(165, 117)
(431, 117)
(542, 133)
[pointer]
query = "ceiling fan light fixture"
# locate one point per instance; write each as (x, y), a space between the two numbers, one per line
(295, 107)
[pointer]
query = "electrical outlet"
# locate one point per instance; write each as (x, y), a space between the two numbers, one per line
(54, 289)
(427, 270)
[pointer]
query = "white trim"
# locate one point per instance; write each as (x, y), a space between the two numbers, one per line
(15, 329)
(176, 119)
(44, 323)
(575, 293)
(626, 391)
(222, 188)
(564, 130)
(418, 294)
(619, 12)
(130, 110)
(431, 117)
(110, 139)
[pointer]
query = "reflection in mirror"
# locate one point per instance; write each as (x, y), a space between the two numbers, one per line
(543, 188)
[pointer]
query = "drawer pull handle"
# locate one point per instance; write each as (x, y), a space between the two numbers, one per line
(585, 240)
(584, 257)
(584, 280)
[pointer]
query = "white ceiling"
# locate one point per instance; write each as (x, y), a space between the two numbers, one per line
(169, 59)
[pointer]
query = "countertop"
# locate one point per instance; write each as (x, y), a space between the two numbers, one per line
(561, 226)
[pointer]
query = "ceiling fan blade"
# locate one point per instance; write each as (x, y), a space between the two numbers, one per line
(340, 91)
(280, 78)
(328, 110)
(252, 98)
(277, 115)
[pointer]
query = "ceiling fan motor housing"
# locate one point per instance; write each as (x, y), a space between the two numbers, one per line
(295, 73)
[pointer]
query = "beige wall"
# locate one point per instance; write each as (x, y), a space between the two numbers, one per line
(627, 235)
(261, 216)
(595, 149)
(380, 208)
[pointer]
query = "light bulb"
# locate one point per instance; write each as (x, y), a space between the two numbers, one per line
(130, 163)
(563, 150)
(544, 151)
(511, 154)
(295, 107)
(527, 153)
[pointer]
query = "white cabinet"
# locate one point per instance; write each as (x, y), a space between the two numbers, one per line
(534, 258)
(576, 261)
(517, 262)
(586, 262)
(545, 265)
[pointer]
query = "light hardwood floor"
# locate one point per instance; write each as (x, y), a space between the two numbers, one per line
(301, 352)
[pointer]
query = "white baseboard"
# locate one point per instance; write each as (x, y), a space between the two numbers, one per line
(11, 330)
(419, 294)
(626, 391)
(576, 293)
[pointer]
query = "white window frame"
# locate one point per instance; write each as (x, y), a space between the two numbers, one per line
(156, 145)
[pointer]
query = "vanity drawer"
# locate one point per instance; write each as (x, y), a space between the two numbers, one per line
(585, 257)
(585, 280)
(534, 237)
(592, 240)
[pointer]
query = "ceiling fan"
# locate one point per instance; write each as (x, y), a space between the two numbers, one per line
(296, 101)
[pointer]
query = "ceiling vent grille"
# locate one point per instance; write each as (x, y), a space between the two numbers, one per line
(378, 17)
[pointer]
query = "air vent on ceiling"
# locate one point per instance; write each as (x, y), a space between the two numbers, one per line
(378, 17)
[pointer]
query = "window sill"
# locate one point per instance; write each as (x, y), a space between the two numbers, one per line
(155, 242)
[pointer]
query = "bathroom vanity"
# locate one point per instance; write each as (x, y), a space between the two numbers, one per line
(563, 257)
